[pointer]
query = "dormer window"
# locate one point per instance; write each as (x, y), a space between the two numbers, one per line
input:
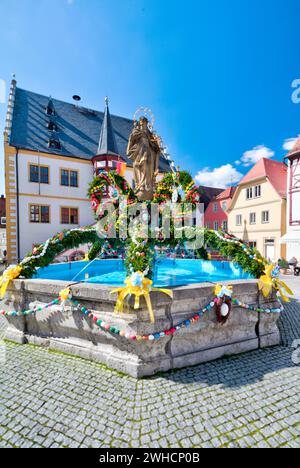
(54, 143)
(52, 126)
(50, 111)
(50, 107)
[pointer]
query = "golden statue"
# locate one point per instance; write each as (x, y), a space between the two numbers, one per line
(144, 150)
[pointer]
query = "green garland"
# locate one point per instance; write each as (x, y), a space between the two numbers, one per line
(107, 179)
(235, 251)
(140, 253)
(140, 257)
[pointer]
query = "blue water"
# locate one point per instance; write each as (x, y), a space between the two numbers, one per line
(167, 272)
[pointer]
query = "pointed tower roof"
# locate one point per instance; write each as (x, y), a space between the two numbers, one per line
(50, 109)
(107, 141)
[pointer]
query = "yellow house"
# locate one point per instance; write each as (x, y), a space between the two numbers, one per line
(257, 213)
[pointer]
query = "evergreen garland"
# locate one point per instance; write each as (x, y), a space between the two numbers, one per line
(141, 253)
(58, 243)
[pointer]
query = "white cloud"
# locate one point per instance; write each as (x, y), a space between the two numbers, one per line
(253, 156)
(289, 144)
(219, 177)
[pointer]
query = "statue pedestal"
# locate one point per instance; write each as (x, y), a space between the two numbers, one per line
(145, 196)
(73, 333)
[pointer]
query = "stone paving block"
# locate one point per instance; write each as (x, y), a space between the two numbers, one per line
(241, 401)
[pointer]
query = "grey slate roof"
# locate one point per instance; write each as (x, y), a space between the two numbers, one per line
(107, 142)
(79, 128)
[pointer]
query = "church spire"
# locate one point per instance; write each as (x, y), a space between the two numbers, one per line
(107, 142)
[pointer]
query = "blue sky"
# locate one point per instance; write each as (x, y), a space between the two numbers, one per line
(217, 75)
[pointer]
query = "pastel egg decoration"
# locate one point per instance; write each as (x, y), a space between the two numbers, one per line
(224, 309)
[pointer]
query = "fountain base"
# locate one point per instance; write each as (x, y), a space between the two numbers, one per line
(71, 332)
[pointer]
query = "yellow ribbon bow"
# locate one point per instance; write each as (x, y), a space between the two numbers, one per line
(65, 294)
(267, 282)
(221, 291)
(138, 286)
(9, 275)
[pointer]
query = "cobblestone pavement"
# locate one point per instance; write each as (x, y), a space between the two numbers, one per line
(252, 400)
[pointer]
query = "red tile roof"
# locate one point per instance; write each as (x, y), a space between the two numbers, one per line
(227, 193)
(275, 171)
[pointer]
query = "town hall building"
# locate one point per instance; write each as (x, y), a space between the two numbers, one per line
(52, 150)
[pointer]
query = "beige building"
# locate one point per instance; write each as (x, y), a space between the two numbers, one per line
(257, 213)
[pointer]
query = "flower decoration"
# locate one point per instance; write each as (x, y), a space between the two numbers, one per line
(9, 275)
(94, 202)
(65, 295)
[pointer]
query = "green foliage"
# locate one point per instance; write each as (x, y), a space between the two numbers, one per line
(166, 186)
(105, 180)
(185, 179)
(236, 253)
(95, 250)
(60, 242)
(201, 254)
(283, 264)
(140, 257)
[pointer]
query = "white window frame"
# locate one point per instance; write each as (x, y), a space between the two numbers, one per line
(263, 220)
(249, 193)
(237, 218)
(257, 191)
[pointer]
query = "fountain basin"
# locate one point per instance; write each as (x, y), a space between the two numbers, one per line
(167, 272)
(71, 332)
